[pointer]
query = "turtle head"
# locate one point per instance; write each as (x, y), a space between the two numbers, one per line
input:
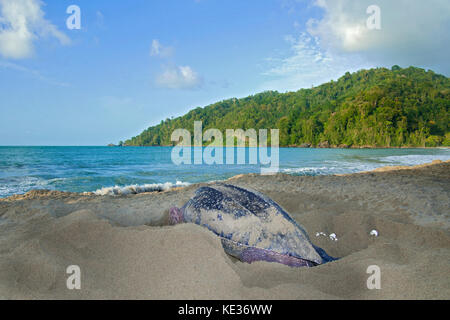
(175, 216)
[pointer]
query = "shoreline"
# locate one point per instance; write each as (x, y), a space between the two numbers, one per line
(311, 147)
(397, 168)
(46, 192)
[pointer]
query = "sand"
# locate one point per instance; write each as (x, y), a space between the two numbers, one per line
(126, 250)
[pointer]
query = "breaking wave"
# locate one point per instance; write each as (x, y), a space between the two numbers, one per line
(135, 189)
(307, 171)
(20, 185)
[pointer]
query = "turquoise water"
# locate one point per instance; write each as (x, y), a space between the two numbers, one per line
(80, 169)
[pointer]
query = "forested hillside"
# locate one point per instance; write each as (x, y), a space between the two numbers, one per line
(373, 108)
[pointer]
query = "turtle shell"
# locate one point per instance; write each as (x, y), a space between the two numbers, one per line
(248, 219)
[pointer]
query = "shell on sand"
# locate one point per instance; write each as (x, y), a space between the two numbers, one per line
(248, 219)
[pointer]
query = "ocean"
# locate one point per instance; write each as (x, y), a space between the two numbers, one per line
(121, 170)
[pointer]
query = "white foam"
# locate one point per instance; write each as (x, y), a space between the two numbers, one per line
(135, 189)
(305, 169)
(415, 159)
(336, 168)
(343, 167)
(21, 185)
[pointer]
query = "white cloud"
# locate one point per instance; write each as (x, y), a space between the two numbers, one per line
(174, 76)
(21, 23)
(179, 77)
(158, 50)
(412, 32)
(31, 72)
(307, 64)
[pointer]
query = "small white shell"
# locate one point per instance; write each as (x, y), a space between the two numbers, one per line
(333, 237)
(374, 233)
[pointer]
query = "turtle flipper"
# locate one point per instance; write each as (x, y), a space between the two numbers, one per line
(324, 255)
(175, 216)
(251, 254)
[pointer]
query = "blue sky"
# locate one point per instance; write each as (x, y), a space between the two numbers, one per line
(134, 63)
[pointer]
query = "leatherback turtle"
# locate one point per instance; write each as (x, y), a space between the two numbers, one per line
(251, 226)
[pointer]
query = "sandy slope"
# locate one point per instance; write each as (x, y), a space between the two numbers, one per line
(125, 249)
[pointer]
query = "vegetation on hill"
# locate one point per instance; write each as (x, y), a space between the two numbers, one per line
(376, 108)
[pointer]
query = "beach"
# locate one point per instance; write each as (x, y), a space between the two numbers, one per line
(126, 250)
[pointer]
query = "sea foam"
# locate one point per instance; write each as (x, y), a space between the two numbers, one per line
(415, 159)
(135, 189)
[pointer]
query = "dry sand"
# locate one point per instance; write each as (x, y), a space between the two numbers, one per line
(126, 250)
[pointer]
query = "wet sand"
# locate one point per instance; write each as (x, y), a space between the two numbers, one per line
(125, 249)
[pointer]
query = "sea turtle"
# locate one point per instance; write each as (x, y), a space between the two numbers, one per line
(251, 226)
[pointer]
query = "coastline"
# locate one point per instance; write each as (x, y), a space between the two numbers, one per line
(134, 170)
(126, 250)
(310, 147)
(56, 193)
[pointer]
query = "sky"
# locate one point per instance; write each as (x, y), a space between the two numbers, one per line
(134, 63)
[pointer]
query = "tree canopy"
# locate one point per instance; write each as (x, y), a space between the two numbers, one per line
(375, 108)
